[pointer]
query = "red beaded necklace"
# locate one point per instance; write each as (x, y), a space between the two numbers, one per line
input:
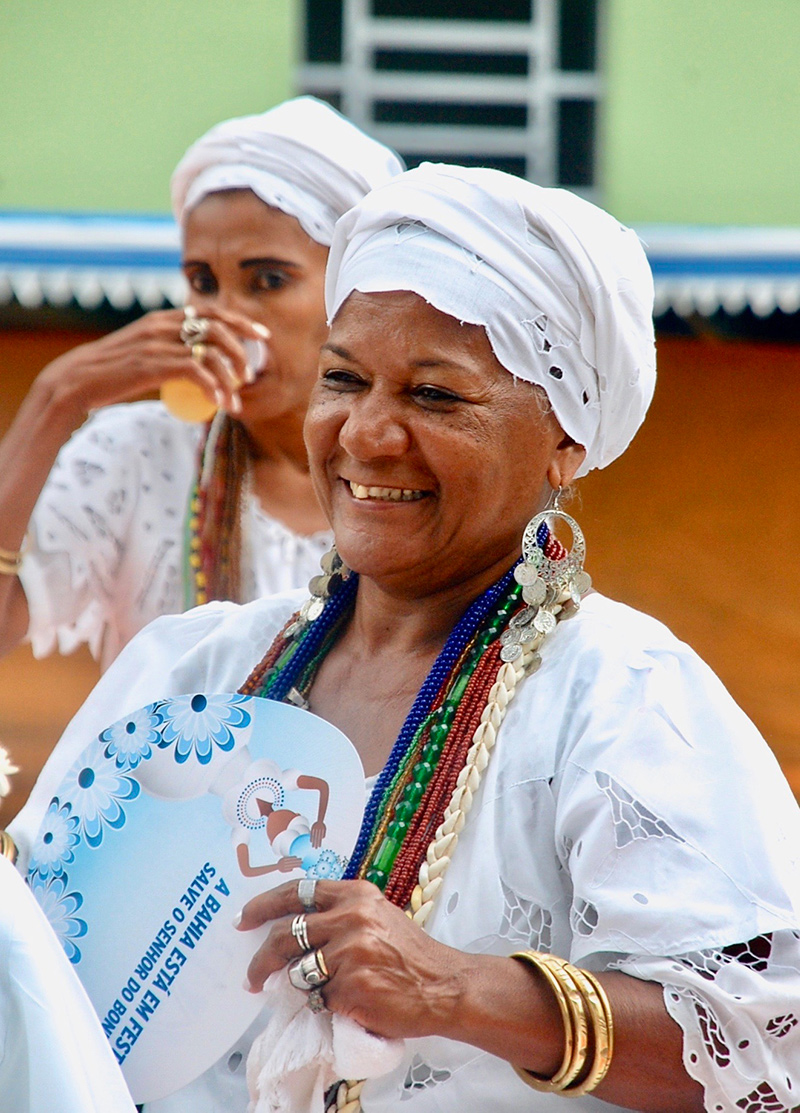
(407, 809)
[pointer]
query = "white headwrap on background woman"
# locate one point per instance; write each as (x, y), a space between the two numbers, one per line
(563, 289)
(302, 157)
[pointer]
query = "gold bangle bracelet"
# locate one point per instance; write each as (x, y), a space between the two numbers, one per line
(602, 1028)
(573, 1014)
(531, 958)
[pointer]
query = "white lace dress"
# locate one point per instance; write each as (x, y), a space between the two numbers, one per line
(631, 817)
(106, 538)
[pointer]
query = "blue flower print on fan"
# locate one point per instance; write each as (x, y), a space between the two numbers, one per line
(202, 723)
(56, 841)
(328, 866)
(131, 740)
(60, 907)
(96, 794)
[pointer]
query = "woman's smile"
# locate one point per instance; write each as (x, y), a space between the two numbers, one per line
(384, 494)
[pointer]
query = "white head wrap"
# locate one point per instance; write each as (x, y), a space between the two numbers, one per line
(302, 157)
(563, 290)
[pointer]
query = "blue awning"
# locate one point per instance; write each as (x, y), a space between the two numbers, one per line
(60, 259)
(703, 270)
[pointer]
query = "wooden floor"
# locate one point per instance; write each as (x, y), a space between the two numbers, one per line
(698, 524)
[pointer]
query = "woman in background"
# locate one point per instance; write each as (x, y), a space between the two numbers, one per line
(144, 514)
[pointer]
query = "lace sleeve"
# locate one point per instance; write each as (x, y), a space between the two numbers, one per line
(738, 1007)
(117, 490)
(681, 839)
(77, 537)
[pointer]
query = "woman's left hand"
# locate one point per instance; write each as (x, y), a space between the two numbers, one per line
(393, 979)
(385, 972)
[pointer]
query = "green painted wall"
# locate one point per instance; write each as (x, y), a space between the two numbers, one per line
(100, 98)
(702, 116)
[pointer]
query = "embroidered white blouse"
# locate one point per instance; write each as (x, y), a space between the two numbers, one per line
(631, 817)
(106, 538)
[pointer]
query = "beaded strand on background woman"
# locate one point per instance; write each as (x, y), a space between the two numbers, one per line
(141, 513)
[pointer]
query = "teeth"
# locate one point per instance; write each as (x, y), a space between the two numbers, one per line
(390, 494)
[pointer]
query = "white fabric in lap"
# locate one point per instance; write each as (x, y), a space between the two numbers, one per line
(563, 290)
(106, 537)
(302, 157)
(54, 1056)
(630, 817)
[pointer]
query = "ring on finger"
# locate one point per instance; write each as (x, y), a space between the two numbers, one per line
(310, 971)
(194, 328)
(199, 352)
(305, 893)
(316, 1002)
(315, 969)
(300, 932)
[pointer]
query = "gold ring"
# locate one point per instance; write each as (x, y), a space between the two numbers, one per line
(313, 969)
(199, 351)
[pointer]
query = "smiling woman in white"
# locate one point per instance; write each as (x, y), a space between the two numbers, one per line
(557, 775)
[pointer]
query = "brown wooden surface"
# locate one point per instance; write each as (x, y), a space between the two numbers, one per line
(698, 524)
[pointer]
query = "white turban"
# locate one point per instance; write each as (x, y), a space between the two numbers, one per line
(563, 290)
(302, 157)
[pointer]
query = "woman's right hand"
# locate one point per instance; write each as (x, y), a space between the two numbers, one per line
(119, 367)
(138, 358)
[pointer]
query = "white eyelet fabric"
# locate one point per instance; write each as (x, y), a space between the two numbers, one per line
(106, 539)
(302, 157)
(563, 290)
(631, 817)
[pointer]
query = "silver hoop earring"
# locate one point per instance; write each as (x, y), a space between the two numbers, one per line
(550, 574)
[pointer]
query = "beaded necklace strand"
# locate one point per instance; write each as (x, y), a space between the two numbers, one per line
(420, 774)
(213, 528)
(420, 801)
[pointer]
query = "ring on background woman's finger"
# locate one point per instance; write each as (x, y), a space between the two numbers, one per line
(199, 352)
(194, 328)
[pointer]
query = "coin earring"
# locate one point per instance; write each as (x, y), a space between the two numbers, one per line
(551, 576)
(322, 587)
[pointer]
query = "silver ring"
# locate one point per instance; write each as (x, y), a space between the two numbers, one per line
(310, 971)
(314, 968)
(194, 328)
(300, 932)
(296, 976)
(316, 1002)
(305, 893)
